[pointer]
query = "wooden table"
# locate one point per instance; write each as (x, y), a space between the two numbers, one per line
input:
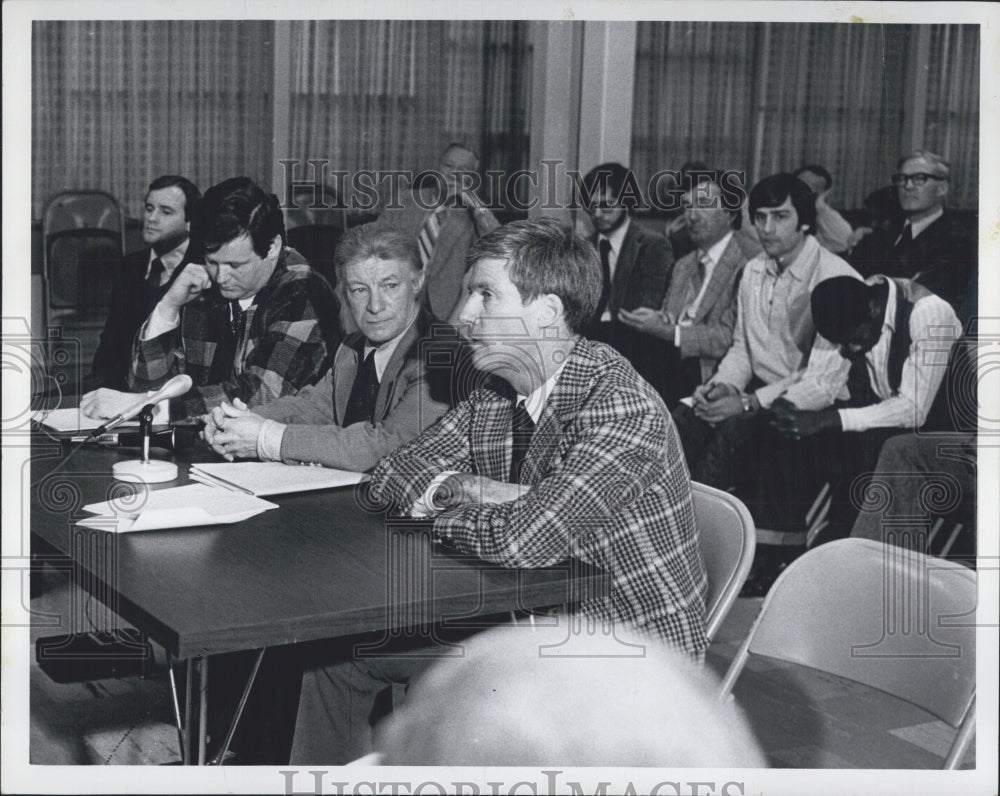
(323, 565)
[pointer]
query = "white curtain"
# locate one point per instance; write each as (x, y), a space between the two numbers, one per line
(115, 104)
(769, 97)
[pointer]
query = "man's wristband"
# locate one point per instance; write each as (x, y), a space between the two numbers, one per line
(746, 401)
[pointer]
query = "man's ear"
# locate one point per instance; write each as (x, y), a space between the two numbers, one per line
(274, 249)
(552, 311)
(418, 278)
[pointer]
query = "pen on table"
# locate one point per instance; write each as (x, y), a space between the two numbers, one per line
(214, 480)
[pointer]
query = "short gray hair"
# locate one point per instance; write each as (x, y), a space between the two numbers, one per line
(941, 167)
(372, 240)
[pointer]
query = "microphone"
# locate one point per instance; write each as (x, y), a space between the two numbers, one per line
(174, 388)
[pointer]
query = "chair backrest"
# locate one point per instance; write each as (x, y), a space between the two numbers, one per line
(892, 619)
(82, 209)
(83, 235)
(726, 539)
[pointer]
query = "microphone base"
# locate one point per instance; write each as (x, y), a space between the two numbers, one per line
(137, 471)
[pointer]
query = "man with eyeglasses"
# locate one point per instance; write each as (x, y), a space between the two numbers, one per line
(933, 247)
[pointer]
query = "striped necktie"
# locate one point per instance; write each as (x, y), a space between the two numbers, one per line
(429, 234)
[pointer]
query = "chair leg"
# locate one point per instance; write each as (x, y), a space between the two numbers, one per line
(961, 745)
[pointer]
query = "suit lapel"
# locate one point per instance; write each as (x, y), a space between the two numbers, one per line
(345, 370)
(387, 384)
(624, 266)
(720, 275)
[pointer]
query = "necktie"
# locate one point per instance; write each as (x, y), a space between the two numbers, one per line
(694, 287)
(156, 270)
(523, 427)
(906, 238)
(859, 384)
(364, 392)
(429, 234)
(605, 249)
(153, 290)
(699, 275)
(236, 317)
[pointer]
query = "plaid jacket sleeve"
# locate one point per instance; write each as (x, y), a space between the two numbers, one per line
(608, 455)
(402, 477)
(158, 359)
(284, 351)
(287, 346)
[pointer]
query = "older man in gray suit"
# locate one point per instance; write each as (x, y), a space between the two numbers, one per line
(694, 327)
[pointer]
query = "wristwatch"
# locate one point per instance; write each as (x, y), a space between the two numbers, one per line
(745, 400)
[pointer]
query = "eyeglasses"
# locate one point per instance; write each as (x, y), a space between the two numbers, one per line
(919, 179)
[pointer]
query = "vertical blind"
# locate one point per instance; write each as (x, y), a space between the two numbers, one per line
(769, 97)
(115, 104)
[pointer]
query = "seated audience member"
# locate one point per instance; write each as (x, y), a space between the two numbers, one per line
(895, 339)
(378, 394)
(676, 230)
(567, 454)
(445, 219)
(694, 326)
(513, 700)
(145, 275)
(635, 263)
(773, 338)
(884, 217)
(833, 232)
(933, 247)
(914, 471)
(253, 322)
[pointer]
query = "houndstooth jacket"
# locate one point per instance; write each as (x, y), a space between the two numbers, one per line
(609, 487)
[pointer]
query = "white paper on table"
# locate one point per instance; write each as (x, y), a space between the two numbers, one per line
(72, 420)
(177, 507)
(272, 478)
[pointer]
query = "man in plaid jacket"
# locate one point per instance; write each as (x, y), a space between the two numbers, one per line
(253, 322)
(601, 477)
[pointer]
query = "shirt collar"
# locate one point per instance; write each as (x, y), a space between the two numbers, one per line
(617, 238)
(535, 402)
(715, 251)
(919, 226)
(889, 320)
(172, 258)
(384, 352)
(794, 268)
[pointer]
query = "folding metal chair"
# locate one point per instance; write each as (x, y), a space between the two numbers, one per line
(898, 621)
(83, 234)
(726, 539)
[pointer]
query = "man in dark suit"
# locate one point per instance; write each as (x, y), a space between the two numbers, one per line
(635, 263)
(933, 248)
(691, 332)
(145, 275)
(445, 217)
(567, 454)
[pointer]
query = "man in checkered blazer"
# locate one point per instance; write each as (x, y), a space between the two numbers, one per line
(601, 477)
(253, 322)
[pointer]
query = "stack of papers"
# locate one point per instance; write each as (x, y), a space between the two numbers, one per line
(272, 478)
(178, 507)
(72, 421)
